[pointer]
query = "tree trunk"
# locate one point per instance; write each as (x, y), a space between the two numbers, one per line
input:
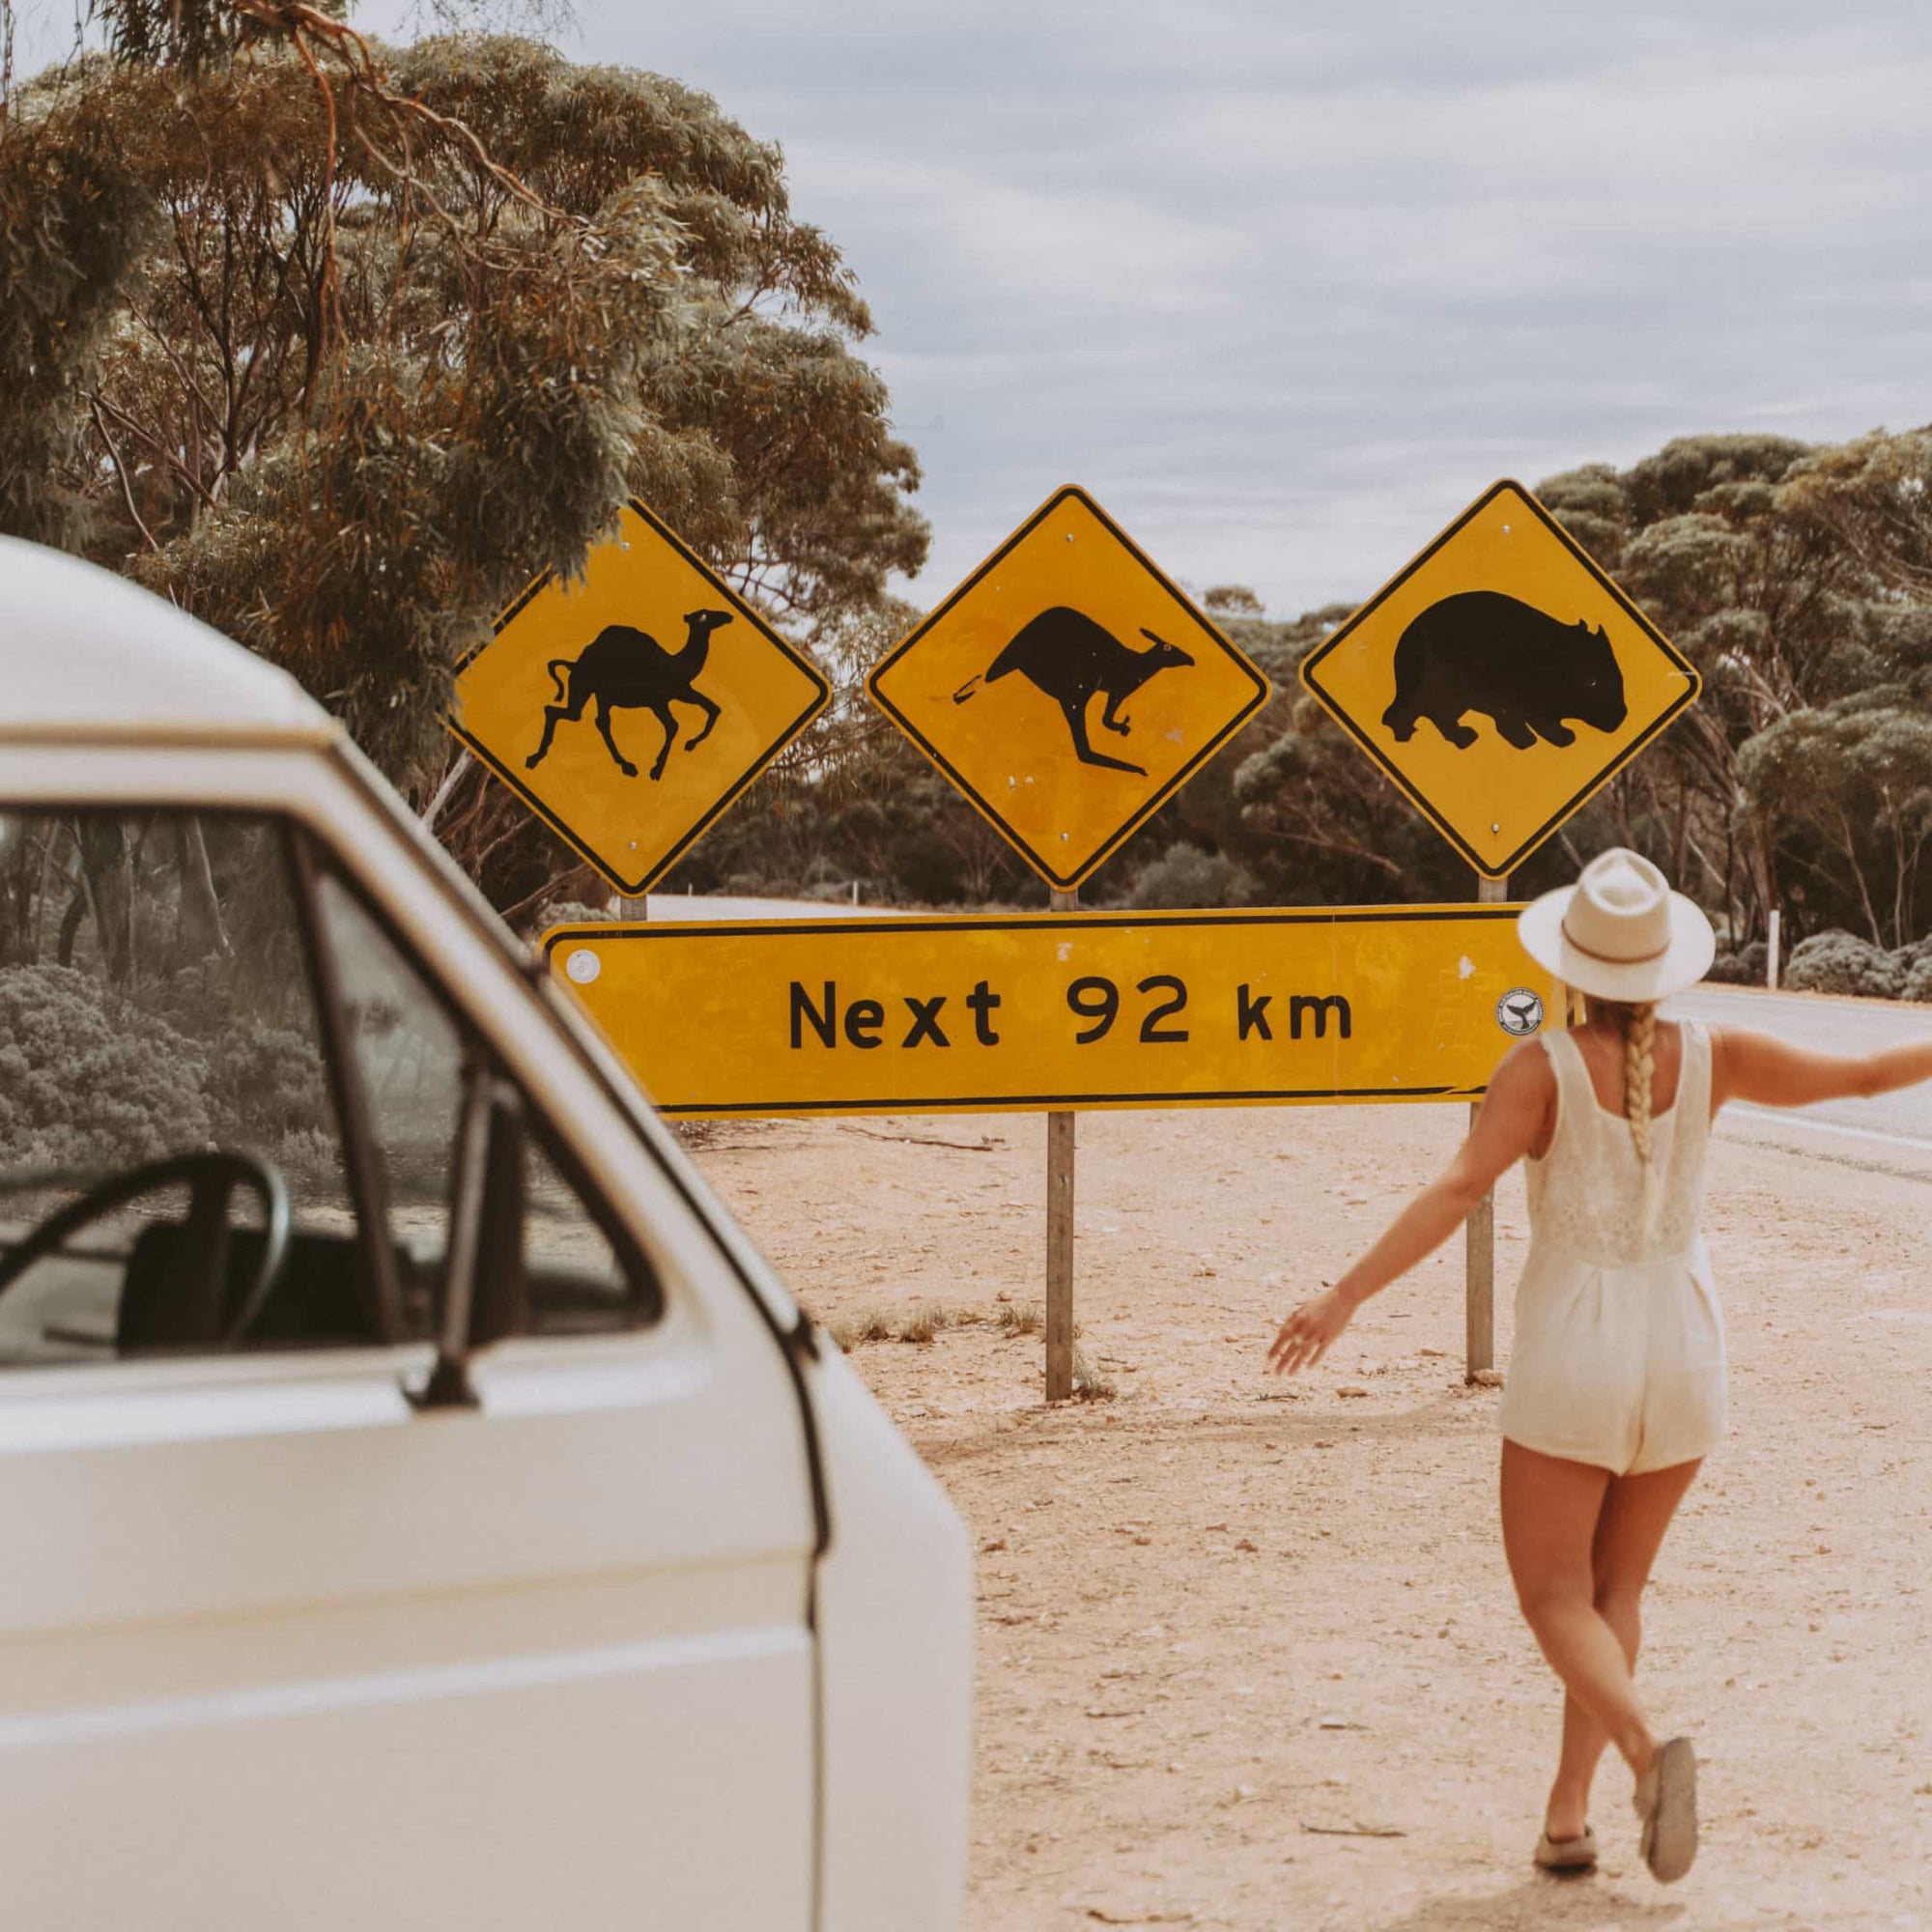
(105, 867)
(1849, 846)
(198, 927)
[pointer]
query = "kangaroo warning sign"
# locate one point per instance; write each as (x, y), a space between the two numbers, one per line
(630, 708)
(1066, 688)
(1500, 679)
(1061, 1010)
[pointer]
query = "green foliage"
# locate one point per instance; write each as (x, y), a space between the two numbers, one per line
(1855, 776)
(265, 1083)
(1916, 982)
(1231, 600)
(1742, 967)
(338, 357)
(1841, 962)
(88, 1080)
(1773, 565)
(1872, 497)
(73, 224)
(1184, 876)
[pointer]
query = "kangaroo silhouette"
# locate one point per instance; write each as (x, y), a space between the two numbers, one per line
(625, 669)
(1065, 655)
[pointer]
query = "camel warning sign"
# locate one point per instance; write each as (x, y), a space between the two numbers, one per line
(630, 708)
(1500, 679)
(1058, 1010)
(1067, 688)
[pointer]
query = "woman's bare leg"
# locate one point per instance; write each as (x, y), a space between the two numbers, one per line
(1550, 1510)
(1636, 1511)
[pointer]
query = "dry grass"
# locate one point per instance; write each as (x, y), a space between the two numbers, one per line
(1092, 1384)
(921, 1325)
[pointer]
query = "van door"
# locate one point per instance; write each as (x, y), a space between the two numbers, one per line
(286, 1642)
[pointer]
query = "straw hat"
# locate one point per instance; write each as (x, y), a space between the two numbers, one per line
(1619, 932)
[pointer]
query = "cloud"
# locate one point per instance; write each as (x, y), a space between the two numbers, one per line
(1287, 285)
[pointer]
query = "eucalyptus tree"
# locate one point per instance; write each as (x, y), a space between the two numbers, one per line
(337, 344)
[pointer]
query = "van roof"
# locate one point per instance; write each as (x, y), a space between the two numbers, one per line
(87, 653)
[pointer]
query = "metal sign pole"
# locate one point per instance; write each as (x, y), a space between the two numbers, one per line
(1060, 1234)
(1479, 1314)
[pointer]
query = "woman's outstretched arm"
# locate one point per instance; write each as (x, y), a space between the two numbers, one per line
(1770, 1072)
(1510, 1123)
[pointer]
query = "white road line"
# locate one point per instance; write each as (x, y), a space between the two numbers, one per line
(1804, 1124)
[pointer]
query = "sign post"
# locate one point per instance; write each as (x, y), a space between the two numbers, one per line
(1479, 1308)
(1052, 1012)
(1503, 620)
(1066, 688)
(1060, 1147)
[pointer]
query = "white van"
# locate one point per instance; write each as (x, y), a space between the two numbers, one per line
(422, 1506)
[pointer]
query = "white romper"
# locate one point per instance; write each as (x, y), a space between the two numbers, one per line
(1619, 1351)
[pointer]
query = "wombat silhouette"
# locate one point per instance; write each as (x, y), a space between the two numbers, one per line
(1483, 651)
(625, 669)
(1065, 655)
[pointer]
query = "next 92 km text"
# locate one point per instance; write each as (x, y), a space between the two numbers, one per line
(1091, 997)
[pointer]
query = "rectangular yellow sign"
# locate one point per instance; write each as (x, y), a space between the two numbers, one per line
(1060, 1010)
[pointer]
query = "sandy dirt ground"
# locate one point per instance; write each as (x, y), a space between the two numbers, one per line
(1248, 1653)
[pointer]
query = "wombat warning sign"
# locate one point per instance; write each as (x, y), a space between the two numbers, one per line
(1500, 679)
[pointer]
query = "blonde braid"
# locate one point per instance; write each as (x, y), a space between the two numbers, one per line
(1639, 1024)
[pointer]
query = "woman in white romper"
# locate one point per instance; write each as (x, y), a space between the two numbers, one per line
(1617, 1378)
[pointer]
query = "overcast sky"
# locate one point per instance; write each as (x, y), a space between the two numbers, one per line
(1287, 285)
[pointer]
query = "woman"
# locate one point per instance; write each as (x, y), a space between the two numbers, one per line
(1616, 1384)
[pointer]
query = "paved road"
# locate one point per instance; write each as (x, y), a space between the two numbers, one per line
(1893, 1130)
(677, 906)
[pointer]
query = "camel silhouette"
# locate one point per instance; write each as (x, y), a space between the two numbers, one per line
(624, 669)
(1065, 655)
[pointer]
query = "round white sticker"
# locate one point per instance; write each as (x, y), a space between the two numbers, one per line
(583, 966)
(1519, 1012)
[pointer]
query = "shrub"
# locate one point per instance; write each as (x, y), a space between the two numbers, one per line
(1918, 981)
(90, 1082)
(1741, 968)
(1841, 962)
(1184, 876)
(264, 1082)
(568, 912)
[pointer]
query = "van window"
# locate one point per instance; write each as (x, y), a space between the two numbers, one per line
(171, 1171)
(189, 1009)
(409, 1061)
(574, 1273)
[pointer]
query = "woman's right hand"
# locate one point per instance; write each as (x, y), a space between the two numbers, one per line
(1305, 1336)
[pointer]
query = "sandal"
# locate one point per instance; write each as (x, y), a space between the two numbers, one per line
(1667, 1802)
(1568, 1855)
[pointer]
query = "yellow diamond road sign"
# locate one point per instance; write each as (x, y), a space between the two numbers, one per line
(1500, 679)
(1067, 688)
(630, 708)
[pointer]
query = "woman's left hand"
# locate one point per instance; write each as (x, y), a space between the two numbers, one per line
(1306, 1334)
